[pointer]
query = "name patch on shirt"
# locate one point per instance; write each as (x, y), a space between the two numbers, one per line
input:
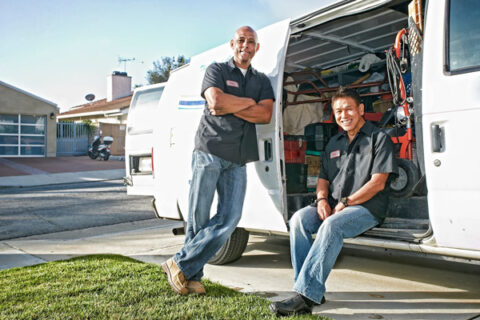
(335, 154)
(232, 83)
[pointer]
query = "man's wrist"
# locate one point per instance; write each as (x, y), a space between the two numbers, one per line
(344, 200)
(319, 199)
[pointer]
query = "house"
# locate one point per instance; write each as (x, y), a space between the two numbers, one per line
(27, 124)
(109, 115)
(112, 109)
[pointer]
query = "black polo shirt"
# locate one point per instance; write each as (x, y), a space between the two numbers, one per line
(350, 166)
(228, 136)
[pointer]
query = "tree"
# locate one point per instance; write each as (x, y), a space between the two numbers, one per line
(161, 70)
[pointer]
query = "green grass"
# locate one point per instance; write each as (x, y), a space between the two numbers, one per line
(116, 287)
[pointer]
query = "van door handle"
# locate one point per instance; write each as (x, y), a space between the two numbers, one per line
(267, 145)
(438, 138)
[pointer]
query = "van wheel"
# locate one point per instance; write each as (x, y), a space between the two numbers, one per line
(233, 249)
(403, 185)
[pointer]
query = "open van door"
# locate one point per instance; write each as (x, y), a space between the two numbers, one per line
(139, 141)
(180, 110)
(451, 95)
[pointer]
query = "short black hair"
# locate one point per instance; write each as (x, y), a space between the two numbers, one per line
(344, 92)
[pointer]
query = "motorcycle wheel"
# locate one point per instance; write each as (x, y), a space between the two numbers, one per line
(92, 155)
(106, 156)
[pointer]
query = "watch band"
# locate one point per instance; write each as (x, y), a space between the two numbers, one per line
(319, 199)
(344, 200)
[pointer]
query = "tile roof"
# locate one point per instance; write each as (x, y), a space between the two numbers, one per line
(99, 105)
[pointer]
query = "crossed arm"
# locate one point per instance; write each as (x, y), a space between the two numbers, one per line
(365, 193)
(220, 103)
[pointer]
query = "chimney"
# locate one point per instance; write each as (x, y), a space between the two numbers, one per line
(119, 85)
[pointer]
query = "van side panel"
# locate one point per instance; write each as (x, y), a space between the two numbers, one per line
(451, 109)
(265, 200)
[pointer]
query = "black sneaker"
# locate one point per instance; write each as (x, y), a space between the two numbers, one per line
(291, 306)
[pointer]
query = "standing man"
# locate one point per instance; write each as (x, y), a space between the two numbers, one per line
(238, 96)
(350, 200)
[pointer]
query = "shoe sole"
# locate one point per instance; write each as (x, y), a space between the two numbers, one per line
(166, 270)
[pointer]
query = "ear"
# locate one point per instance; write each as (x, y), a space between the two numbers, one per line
(361, 109)
(258, 47)
(232, 44)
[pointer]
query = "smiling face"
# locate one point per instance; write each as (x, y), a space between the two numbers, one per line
(244, 45)
(348, 114)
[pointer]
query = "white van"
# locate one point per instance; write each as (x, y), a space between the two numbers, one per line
(348, 43)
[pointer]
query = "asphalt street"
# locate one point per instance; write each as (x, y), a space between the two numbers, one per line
(55, 208)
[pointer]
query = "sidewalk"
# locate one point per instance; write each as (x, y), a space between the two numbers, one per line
(29, 172)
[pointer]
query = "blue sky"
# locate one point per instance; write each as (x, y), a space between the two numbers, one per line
(62, 50)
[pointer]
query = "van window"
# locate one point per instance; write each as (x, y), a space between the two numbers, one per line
(463, 45)
(141, 115)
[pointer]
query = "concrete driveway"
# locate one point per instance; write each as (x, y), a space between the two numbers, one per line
(358, 288)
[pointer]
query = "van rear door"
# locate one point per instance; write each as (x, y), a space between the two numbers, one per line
(451, 109)
(139, 139)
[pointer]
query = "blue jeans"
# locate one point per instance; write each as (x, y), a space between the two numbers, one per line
(204, 235)
(313, 260)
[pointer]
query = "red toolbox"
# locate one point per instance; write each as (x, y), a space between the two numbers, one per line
(295, 147)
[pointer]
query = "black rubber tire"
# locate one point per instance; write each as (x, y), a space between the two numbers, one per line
(105, 157)
(408, 176)
(233, 249)
(92, 155)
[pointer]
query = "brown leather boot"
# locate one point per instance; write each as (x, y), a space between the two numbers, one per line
(175, 277)
(195, 287)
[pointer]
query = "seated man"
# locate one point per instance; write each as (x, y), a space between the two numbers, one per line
(350, 200)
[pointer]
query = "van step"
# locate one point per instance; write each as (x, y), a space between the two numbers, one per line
(411, 230)
(402, 223)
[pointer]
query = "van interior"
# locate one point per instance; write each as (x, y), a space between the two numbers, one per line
(357, 51)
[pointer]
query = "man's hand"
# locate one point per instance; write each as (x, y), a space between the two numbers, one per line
(323, 209)
(339, 207)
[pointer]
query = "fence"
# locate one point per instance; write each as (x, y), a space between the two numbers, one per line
(72, 139)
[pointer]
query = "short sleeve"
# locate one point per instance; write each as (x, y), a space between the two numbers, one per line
(323, 172)
(384, 156)
(267, 90)
(213, 78)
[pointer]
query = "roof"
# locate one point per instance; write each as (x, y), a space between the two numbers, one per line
(99, 107)
(27, 93)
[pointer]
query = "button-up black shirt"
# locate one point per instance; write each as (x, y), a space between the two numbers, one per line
(349, 166)
(228, 136)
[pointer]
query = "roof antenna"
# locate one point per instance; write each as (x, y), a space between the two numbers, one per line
(124, 61)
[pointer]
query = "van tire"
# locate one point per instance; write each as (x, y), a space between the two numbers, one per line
(403, 185)
(233, 249)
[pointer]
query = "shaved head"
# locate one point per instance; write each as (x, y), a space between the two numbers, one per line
(245, 28)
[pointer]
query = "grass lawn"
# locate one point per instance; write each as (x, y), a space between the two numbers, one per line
(116, 287)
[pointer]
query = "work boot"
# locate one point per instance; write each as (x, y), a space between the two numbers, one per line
(175, 277)
(195, 287)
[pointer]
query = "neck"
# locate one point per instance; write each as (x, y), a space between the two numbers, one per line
(242, 64)
(352, 133)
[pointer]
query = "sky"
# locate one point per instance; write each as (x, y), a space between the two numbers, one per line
(62, 50)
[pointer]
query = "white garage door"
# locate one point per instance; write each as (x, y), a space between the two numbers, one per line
(22, 135)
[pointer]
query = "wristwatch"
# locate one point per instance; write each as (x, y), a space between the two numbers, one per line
(344, 200)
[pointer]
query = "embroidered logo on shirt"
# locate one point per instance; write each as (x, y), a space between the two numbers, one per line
(335, 154)
(232, 83)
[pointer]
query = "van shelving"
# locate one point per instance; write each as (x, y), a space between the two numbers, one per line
(320, 83)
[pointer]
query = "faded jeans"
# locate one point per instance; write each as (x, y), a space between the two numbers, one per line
(205, 235)
(313, 260)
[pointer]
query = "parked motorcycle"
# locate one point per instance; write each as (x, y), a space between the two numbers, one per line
(100, 148)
